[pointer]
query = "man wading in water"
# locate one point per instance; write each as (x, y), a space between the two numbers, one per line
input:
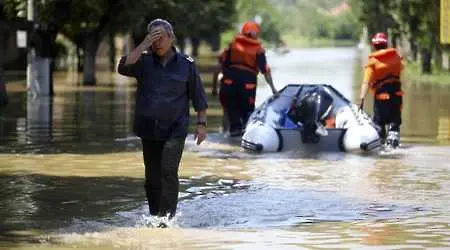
(382, 76)
(167, 80)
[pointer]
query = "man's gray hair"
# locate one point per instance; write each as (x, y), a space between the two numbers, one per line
(161, 23)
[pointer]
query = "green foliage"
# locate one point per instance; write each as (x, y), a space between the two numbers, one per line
(87, 22)
(344, 27)
(60, 50)
(313, 19)
(196, 18)
(227, 37)
(413, 18)
(78, 17)
(417, 21)
(304, 18)
(15, 9)
(273, 24)
(211, 16)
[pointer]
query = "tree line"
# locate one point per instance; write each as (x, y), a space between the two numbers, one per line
(412, 22)
(315, 19)
(87, 22)
(412, 25)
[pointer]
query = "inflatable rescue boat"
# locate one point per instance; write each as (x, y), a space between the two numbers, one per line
(314, 116)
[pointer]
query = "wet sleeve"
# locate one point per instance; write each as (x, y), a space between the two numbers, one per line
(132, 70)
(196, 91)
(262, 62)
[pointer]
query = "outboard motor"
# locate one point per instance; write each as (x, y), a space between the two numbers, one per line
(310, 112)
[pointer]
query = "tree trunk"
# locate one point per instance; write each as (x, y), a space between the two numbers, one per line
(395, 39)
(42, 40)
(90, 51)
(52, 69)
(438, 56)
(79, 59)
(3, 94)
(414, 50)
(426, 60)
(54, 33)
(112, 52)
(215, 42)
(181, 43)
(380, 19)
(195, 45)
(445, 58)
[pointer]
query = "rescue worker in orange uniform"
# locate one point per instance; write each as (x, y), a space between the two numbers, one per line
(382, 77)
(240, 64)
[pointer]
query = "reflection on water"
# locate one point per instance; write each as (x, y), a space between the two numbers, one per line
(33, 201)
(88, 117)
(71, 175)
(93, 120)
(427, 112)
(274, 208)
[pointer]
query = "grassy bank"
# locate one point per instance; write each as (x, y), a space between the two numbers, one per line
(413, 73)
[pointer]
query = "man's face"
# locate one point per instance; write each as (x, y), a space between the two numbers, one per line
(164, 43)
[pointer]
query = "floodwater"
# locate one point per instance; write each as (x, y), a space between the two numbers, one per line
(71, 175)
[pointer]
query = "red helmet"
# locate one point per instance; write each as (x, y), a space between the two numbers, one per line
(250, 29)
(379, 38)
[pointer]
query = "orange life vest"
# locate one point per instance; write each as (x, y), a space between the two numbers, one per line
(384, 66)
(242, 53)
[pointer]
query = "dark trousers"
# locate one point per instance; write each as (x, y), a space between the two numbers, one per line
(388, 113)
(238, 103)
(162, 159)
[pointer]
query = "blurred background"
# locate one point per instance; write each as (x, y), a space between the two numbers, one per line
(71, 171)
(89, 35)
(52, 46)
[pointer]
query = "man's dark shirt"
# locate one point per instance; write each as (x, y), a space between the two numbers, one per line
(163, 94)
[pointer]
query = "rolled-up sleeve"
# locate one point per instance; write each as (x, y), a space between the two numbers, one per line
(131, 70)
(369, 75)
(196, 90)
